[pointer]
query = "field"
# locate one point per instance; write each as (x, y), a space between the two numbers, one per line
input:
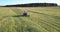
(41, 19)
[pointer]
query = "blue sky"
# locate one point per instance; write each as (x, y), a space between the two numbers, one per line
(9, 2)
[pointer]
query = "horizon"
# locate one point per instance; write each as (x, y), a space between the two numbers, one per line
(14, 2)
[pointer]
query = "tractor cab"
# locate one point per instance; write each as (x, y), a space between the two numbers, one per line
(25, 13)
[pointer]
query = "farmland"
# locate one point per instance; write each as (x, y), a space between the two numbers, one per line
(41, 19)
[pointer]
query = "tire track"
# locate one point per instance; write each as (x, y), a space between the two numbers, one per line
(50, 19)
(50, 23)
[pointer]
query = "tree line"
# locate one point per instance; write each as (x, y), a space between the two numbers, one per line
(33, 5)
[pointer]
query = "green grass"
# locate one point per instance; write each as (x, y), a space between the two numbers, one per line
(41, 19)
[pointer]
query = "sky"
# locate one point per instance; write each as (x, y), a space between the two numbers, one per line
(12, 2)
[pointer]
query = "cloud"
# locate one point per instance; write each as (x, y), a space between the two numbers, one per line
(9, 2)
